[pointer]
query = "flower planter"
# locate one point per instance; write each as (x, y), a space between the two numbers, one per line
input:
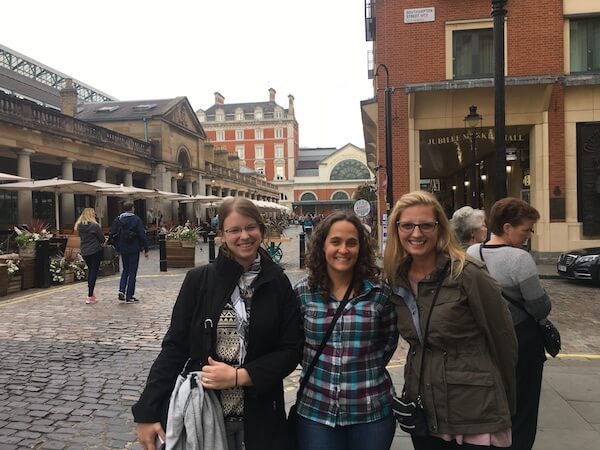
(14, 284)
(3, 279)
(27, 251)
(188, 244)
(179, 255)
(27, 269)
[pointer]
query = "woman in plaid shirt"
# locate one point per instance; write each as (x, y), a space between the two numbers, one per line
(347, 401)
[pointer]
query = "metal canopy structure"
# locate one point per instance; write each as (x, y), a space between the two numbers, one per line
(41, 73)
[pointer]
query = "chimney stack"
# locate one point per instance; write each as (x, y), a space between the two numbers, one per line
(68, 98)
(272, 93)
(291, 106)
(219, 99)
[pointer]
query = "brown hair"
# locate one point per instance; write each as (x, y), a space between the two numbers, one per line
(510, 210)
(365, 267)
(395, 255)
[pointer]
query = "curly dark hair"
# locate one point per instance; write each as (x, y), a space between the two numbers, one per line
(365, 269)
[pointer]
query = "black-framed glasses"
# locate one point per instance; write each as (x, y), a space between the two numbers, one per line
(250, 228)
(408, 227)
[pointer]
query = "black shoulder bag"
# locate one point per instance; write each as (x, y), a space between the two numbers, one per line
(549, 331)
(292, 415)
(410, 414)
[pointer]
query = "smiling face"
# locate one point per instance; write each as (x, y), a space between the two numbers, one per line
(419, 244)
(341, 248)
(242, 236)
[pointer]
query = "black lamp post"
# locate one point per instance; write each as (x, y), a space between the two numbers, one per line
(498, 13)
(473, 129)
(387, 108)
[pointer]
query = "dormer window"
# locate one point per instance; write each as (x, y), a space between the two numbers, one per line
(107, 109)
(202, 117)
(278, 114)
(258, 114)
(239, 114)
(220, 116)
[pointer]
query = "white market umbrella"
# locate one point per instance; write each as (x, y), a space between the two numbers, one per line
(9, 177)
(56, 185)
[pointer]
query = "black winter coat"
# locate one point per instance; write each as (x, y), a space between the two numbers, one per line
(274, 346)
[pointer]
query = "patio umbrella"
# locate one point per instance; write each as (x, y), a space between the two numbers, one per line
(56, 185)
(9, 177)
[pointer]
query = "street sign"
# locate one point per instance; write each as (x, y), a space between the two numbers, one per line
(362, 208)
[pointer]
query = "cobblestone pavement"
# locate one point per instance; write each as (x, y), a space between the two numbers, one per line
(70, 372)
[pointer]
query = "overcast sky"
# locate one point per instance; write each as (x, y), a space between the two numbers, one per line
(142, 50)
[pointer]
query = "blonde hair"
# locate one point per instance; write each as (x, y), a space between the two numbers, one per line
(395, 255)
(87, 215)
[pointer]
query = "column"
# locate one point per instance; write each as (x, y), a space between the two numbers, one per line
(127, 178)
(67, 201)
(189, 207)
(174, 205)
(24, 202)
(101, 208)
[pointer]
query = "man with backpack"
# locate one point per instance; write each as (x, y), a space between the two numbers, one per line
(128, 235)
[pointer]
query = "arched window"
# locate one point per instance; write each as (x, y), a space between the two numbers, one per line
(339, 195)
(183, 158)
(350, 169)
(307, 196)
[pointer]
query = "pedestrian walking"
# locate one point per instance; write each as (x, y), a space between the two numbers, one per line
(237, 323)
(463, 350)
(511, 222)
(345, 404)
(91, 242)
(129, 236)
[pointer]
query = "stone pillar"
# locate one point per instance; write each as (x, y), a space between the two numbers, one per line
(174, 205)
(24, 202)
(67, 201)
(219, 191)
(127, 178)
(101, 209)
(189, 207)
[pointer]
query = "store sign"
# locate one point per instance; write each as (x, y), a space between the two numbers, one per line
(362, 208)
(417, 15)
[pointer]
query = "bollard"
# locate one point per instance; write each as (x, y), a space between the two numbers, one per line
(162, 251)
(42, 263)
(302, 250)
(211, 247)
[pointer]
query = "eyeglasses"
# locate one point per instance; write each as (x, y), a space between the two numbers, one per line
(250, 228)
(408, 227)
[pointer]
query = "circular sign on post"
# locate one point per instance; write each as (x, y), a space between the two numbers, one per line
(362, 208)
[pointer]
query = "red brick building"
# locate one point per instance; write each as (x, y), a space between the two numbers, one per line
(440, 58)
(263, 135)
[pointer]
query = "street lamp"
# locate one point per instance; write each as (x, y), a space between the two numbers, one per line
(387, 108)
(499, 13)
(473, 129)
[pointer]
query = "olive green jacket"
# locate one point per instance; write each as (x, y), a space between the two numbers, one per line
(471, 353)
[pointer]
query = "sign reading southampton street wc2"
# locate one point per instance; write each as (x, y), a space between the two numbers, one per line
(417, 15)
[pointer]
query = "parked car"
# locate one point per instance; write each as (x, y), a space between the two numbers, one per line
(582, 264)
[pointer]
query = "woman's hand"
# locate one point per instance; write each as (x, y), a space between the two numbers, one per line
(147, 433)
(218, 375)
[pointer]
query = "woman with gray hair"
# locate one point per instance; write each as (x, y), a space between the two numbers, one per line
(469, 226)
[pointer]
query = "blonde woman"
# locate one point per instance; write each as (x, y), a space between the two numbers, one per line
(90, 247)
(464, 339)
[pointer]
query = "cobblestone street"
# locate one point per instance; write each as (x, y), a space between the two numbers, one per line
(70, 372)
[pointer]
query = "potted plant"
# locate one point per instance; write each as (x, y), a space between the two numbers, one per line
(14, 276)
(181, 246)
(26, 239)
(56, 271)
(79, 268)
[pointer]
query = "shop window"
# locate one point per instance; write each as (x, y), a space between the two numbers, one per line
(585, 45)
(8, 206)
(473, 53)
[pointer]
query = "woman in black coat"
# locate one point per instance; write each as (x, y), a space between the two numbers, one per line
(239, 321)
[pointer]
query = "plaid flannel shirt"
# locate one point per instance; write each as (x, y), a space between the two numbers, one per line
(350, 383)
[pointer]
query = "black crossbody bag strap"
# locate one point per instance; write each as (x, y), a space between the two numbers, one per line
(313, 363)
(426, 332)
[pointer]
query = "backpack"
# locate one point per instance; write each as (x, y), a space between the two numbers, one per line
(129, 236)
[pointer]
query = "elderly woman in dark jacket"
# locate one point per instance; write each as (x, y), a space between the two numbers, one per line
(244, 353)
(468, 385)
